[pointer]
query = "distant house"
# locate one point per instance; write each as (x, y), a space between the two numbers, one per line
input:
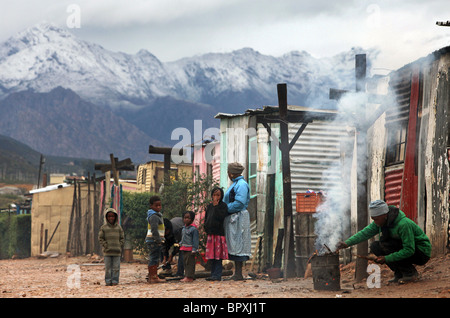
(150, 176)
(56, 178)
(206, 159)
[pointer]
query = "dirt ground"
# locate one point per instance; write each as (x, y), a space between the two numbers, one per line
(80, 277)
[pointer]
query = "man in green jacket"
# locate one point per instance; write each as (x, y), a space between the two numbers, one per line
(402, 242)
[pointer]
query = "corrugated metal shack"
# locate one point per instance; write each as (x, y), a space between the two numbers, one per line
(406, 164)
(245, 139)
(410, 167)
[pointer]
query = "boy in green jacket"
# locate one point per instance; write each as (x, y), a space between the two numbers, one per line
(402, 242)
(111, 238)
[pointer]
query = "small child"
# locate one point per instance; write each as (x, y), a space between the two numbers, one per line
(216, 245)
(189, 245)
(111, 238)
(155, 238)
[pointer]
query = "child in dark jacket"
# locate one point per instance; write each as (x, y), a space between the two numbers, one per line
(111, 238)
(189, 245)
(216, 246)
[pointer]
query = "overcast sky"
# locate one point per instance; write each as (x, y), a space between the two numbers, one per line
(171, 29)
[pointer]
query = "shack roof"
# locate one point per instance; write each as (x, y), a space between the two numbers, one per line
(295, 113)
(50, 188)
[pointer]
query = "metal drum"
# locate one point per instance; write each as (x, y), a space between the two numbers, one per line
(326, 272)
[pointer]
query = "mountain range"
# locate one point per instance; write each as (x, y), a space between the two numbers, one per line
(65, 96)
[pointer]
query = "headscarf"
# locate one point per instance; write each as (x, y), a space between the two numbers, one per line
(235, 168)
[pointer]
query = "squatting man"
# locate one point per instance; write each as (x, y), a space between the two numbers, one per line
(401, 245)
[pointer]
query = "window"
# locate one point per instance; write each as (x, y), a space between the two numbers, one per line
(252, 165)
(396, 143)
(144, 176)
(197, 171)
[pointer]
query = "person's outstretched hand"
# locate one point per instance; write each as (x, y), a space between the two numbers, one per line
(341, 245)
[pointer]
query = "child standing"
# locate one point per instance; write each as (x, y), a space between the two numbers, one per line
(155, 238)
(111, 238)
(189, 245)
(216, 245)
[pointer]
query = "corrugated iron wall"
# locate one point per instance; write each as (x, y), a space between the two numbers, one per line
(393, 186)
(216, 163)
(315, 151)
(316, 164)
(234, 147)
(401, 85)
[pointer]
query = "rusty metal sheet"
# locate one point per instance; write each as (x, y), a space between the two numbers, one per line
(393, 186)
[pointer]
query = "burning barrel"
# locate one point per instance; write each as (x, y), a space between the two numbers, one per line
(325, 271)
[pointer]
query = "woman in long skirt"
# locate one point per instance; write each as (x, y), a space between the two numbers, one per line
(237, 223)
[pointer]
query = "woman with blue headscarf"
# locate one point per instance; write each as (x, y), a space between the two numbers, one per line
(237, 223)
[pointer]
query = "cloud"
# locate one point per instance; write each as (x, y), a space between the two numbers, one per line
(402, 30)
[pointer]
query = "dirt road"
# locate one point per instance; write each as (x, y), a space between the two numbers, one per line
(64, 277)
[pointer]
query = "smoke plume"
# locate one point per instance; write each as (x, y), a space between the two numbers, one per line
(333, 215)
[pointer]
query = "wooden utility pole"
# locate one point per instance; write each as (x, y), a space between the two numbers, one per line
(115, 166)
(41, 163)
(289, 255)
(283, 118)
(167, 152)
(362, 158)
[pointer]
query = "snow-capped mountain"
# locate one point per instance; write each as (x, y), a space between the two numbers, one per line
(45, 56)
(149, 98)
